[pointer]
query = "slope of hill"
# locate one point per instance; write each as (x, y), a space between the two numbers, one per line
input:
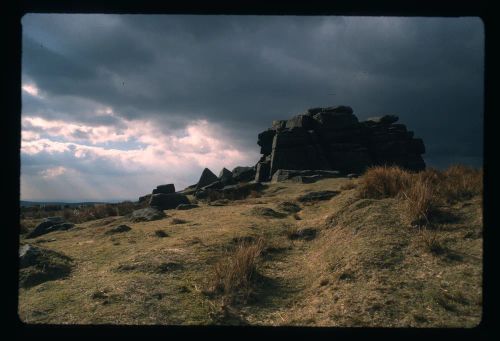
(343, 261)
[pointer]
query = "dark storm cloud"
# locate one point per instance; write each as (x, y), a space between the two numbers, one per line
(243, 72)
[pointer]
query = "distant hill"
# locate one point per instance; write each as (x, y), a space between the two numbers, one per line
(24, 203)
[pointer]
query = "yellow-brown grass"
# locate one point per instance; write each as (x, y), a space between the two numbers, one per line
(431, 242)
(233, 275)
(383, 182)
(461, 182)
(420, 201)
(421, 192)
(79, 215)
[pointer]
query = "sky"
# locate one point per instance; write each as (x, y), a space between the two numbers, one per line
(114, 105)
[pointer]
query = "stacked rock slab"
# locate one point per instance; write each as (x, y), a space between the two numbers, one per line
(333, 139)
(206, 178)
(165, 189)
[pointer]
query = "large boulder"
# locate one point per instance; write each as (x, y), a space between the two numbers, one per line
(206, 178)
(50, 224)
(145, 198)
(300, 121)
(189, 190)
(289, 174)
(168, 201)
(225, 175)
(386, 119)
(231, 192)
(265, 141)
(165, 189)
(242, 174)
(37, 265)
(332, 138)
(183, 207)
(147, 214)
(262, 171)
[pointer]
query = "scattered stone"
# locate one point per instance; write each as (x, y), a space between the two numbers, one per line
(298, 175)
(183, 289)
(188, 190)
(37, 265)
(266, 212)
(243, 174)
(226, 176)
(324, 282)
(165, 189)
(161, 234)
(230, 192)
(145, 198)
(214, 185)
(149, 267)
(147, 214)
(119, 229)
(99, 295)
(206, 178)
(289, 207)
(317, 196)
(168, 201)
(303, 233)
(50, 224)
(186, 206)
(220, 202)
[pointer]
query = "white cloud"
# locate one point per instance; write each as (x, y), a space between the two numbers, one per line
(31, 89)
(53, 172)
(154, 158)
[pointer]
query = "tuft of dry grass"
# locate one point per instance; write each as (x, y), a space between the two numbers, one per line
(431, 242)
(347, 186)
(420, 201)
(421, 192)
(383, 182)
(461, 183)
(233, 275)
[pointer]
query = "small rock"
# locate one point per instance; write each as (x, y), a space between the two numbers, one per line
(165, 189)
(186, 206)
(37, 265)
(304, 233)
(225, 176)
(147, 214)
(243, 174)
(206, 178)
(266, 212)
(119, 229)
(50, 224)
(289, 207)
(317, 196)
(161, 234)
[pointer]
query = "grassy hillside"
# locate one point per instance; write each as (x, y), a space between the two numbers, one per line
(404, 251)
